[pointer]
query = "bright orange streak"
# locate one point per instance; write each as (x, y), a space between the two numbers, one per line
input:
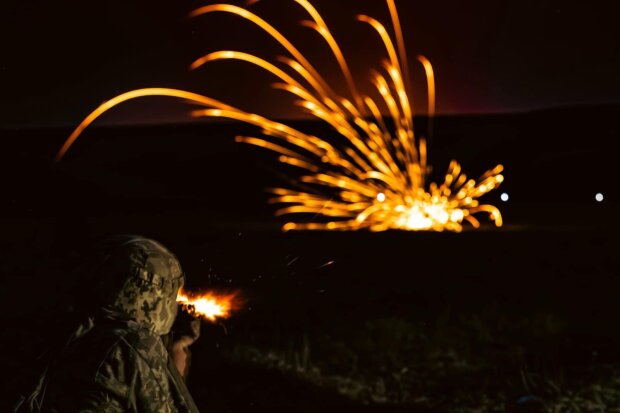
(371, 177)
(326, 34)
(323, 30)
(430, 80)
(320, 26)
(228, 8)
(389, 46)
(246, 57)
(192, 97)
(209, 306)
(277, 129)
(400, 41)
(229, 54)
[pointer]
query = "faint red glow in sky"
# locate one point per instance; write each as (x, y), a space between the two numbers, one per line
(488, 56)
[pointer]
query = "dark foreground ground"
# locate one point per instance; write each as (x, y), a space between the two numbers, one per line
(522, 318)
(469, 322)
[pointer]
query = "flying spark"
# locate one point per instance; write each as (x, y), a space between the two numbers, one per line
(373, 177)
(209, 306)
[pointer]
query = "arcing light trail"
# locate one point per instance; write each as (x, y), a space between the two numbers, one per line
(377, 179)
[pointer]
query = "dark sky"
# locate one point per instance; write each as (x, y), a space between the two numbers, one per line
(60, 59)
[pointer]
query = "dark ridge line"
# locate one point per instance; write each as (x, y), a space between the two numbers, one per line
(551, 110)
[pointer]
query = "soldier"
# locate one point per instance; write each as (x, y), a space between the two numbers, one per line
(121, 358)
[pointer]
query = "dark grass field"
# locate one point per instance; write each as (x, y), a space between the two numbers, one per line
(518, 318)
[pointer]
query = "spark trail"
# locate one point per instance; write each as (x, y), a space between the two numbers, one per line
(377, 179)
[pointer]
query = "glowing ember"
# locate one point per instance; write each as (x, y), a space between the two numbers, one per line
(372, 176)
(210, 306)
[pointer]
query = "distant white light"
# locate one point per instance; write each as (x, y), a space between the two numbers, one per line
(380, 197)
(599, 197)
(504, 197)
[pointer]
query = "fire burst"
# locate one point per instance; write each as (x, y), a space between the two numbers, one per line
(373, 176)
(210, 306)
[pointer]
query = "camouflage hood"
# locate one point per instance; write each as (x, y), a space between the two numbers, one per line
(137, 280)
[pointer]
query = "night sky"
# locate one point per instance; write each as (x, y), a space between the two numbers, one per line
(60, 59)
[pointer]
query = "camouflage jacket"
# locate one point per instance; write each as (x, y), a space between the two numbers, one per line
(116, 368)
(117, 361)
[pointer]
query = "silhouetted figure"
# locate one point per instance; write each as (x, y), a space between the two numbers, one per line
(121, 357)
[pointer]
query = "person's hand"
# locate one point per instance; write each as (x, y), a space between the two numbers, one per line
(181, 355)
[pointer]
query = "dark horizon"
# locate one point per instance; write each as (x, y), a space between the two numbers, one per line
(588, 109)
(555, 162)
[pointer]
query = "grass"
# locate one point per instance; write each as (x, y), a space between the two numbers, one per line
(460, 364)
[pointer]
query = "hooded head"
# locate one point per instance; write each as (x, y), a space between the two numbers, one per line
(137, 279)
